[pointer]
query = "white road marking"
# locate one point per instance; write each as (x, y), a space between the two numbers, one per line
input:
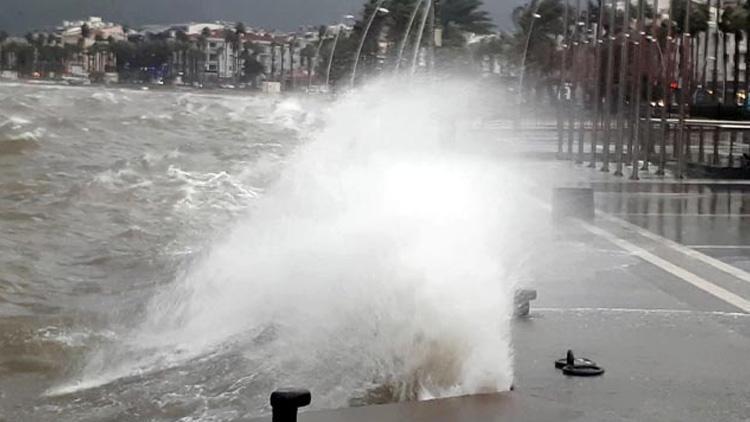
(673, 269)
(655, 214)
(679, 272)
(643, 311)
(718, 246)
(722, 266)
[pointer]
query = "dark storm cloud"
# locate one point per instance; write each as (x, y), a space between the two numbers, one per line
(18, 16)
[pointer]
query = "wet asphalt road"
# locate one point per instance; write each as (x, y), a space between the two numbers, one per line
(655, 290)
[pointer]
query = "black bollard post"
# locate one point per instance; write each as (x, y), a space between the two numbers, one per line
(521, 302)
(286, 401)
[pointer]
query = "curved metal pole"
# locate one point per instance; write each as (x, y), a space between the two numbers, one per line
(402, 47)
(560, 115)
(378, 5)
(598, 119)
(609, 87)
(574, 56)
(330, 58)
(636, 151)
(583, 36)
(427, 8)
(317, 53)
(534, 14)
(622, 84)
(683, 130)
(667, 98)
(649, 41)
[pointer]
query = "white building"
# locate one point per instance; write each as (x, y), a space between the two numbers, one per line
(70, 31)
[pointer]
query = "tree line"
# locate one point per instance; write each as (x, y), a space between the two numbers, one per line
(140, 56)
(545, 25)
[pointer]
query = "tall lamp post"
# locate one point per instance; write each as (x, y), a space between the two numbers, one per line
(622, 84)
(684, 87)
(422, 26)
(635, 152)
(561, 88)
(534, 16)
(378, 9)
(598, 119)
(574, 52)
(402, 47)
(649, 40)
(609, 87)
(339, 28)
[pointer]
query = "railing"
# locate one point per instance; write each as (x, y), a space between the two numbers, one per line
(703, 148)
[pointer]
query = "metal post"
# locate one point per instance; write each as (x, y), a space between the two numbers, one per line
(609, 87)
(418, 44)
(409, 26)
(622, 85)
(330, 58)
(666, 59)
(560, 101)
(683, 88)
(598, 122)
(574, 80)
(717, 138)
(583, 42)
(637, 99)
(523, 60)
(375, 11)
(649, 141)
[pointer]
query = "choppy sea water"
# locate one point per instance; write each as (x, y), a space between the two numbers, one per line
(173, 255)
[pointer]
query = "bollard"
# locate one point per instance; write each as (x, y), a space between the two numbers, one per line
(573, 202)
(286, 401)
(521, 302)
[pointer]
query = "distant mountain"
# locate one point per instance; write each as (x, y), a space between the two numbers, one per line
(19, 16)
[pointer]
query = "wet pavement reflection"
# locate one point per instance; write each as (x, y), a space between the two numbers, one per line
(708, 216)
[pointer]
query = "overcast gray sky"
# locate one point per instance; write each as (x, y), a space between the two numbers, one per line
(18, 16)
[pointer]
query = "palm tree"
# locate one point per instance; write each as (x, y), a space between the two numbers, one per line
(231, 40)
(240, 30)
(466, 16)
(293, 44)
(542, 41)
(307, 56)
(251, 68)
(699, 16)
(32, 41)
(202, 46)
(282, 46)
(731, 23)
(3, 38)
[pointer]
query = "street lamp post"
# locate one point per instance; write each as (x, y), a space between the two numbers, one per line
(650, 40)
(339, 28)
(418, 44)
(666, 94)
(683, 87)
(561, 87)
(583, 41)
(622, 84)
(607, 115)
(598, 119)
(534, 16)
(330, 56)
(378, 9)
(575, 50)
(635, 153)
(405, 40)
